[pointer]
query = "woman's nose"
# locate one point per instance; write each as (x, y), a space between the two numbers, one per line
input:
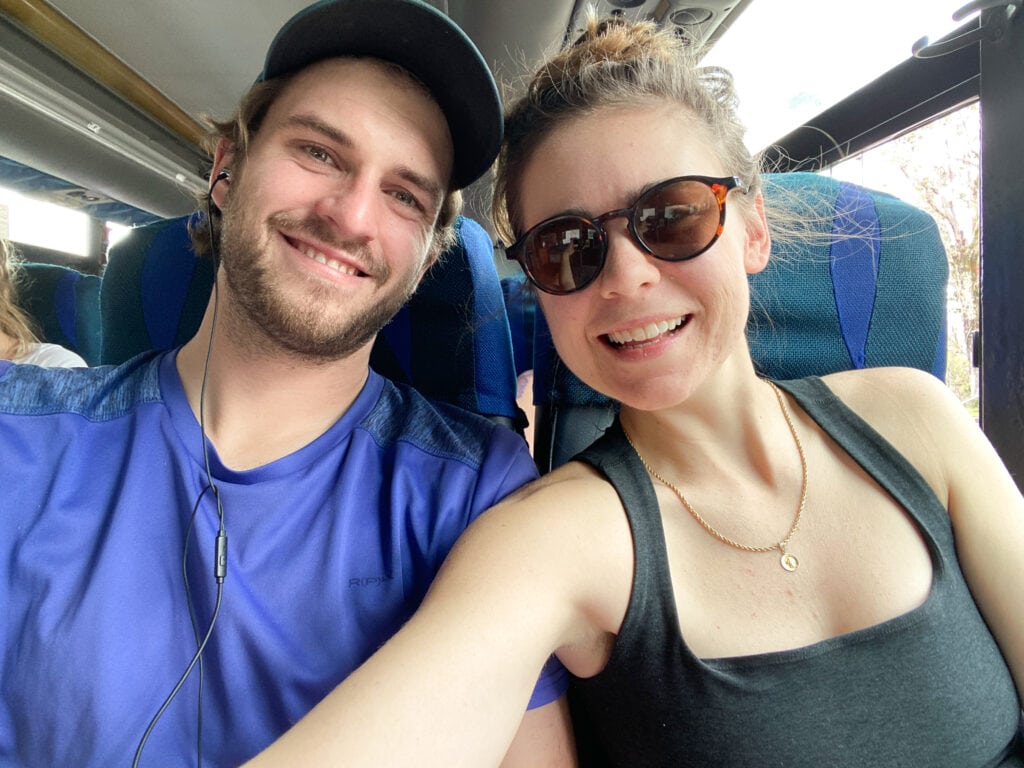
(628, 268)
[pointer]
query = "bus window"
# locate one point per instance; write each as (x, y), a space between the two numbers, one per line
(45, 225)
(787, 71)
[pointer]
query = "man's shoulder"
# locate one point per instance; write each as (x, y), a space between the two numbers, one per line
(403, 415)
(97, 394)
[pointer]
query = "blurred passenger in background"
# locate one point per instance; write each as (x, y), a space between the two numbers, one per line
(19, 341)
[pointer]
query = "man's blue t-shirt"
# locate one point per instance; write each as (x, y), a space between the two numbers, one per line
(330, 550)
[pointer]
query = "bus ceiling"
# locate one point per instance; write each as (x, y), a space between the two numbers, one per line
(110, 102)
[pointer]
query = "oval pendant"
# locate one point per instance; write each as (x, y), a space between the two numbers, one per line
(789, 562)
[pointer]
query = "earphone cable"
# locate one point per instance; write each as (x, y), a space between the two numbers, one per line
(220, 550)
(195, 627)
(181, 681)
(198, 655)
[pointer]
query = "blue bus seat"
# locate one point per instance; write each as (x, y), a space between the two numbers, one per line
(451, 340)
(867, 290)
(521, 307)
(154, 291)
(65, 305)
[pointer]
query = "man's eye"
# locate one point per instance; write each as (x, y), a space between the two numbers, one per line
(318, 153)
(405, 198)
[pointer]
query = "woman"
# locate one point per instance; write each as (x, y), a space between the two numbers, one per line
(18, 341)
(738, 573)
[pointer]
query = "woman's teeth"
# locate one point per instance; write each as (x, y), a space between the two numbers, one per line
(645, 332)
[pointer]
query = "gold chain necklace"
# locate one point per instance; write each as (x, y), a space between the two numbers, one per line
(788, 560)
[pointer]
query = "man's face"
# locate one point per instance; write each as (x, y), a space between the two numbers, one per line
(328, 223)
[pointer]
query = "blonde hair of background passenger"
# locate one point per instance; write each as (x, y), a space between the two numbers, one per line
(16, 328)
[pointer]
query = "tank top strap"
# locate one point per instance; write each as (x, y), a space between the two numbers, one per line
(876, 456)
(652, 604)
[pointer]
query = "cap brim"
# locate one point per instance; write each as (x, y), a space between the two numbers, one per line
(422, 40)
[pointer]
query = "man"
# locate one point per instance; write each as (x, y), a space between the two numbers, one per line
(340, 492)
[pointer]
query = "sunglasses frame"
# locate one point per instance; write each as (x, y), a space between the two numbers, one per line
(719, 187)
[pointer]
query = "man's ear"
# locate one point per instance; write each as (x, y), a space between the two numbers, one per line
(758, 240)
(433, 254)
(220, 183)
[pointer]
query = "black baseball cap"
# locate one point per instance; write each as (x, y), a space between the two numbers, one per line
(422, 40)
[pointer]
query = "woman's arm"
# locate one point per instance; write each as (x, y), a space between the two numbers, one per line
(922, 418)
(987, 512)
(451, 687)
(544, 739)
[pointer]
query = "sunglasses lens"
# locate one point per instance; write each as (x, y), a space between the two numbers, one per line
(564, 254)
(679, 220)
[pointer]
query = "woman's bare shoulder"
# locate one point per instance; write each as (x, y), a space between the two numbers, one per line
(913, 410)
(895, 396)
(573, 497)
(564, 540)
(575, 477)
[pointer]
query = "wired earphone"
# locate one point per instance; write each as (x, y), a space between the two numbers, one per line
(220, 564)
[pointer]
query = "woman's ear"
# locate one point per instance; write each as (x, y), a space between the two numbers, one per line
(759, 241)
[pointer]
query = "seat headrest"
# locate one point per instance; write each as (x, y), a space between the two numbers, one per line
(65, 304)
(452, 340)
(867, 289)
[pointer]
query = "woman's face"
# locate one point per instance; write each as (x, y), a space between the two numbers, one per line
(646, 332)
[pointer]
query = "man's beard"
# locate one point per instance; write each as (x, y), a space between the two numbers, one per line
(299, 328)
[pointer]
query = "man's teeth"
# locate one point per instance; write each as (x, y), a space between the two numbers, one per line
(645, 332)
(332, 263)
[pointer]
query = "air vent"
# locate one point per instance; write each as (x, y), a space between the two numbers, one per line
(698, 22)
(689, 16)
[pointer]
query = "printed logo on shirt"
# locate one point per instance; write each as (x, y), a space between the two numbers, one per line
(369, 581)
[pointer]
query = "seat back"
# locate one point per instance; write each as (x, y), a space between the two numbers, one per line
(451, 340)
(65, 305)
(521, 307)
(154, 291)
(865, 288)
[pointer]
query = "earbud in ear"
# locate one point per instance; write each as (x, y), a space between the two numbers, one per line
(224, 175)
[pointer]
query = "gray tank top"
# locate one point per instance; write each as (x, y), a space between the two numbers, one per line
(928, 688)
